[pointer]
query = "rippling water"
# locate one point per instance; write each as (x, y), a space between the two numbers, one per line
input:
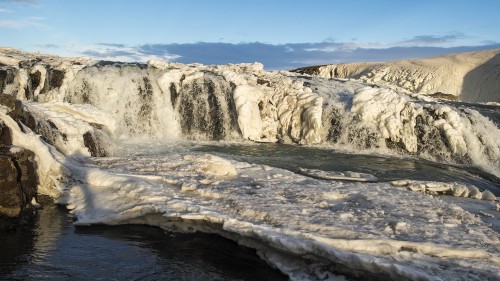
(385, 168)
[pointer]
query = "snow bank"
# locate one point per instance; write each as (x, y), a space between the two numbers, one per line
(466, 76)
(443, 188)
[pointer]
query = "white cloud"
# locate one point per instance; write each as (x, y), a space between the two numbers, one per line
(118, 52)
(31, 22)
(446, 40)
(29, 2)
(280, 56)
(5, 11)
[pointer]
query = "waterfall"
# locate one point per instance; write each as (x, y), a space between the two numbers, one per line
(162, 100)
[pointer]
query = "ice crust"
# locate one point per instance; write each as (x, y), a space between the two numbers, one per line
(309, 228)
(331, 175)
(441, 188)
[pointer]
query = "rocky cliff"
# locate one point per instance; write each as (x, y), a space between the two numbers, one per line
(18, 180)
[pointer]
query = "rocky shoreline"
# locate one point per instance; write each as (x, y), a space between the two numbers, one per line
(18, 178)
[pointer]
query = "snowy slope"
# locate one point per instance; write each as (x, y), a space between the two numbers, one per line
(472, 77)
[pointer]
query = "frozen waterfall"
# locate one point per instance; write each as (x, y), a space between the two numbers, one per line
(162, 100)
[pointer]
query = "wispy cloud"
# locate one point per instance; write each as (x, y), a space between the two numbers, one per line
(112, 45)
(48, 46)
(420, 40)
(2, 10)
(29, 2)
(30, 22)
(433, 39)
(282, 56)
(120, 52)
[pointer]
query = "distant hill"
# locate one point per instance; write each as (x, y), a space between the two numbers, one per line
(471, 77)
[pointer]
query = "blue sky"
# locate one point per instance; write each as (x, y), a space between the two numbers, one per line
(281, 34)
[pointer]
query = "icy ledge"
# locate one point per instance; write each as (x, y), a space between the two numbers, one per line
(308, 228)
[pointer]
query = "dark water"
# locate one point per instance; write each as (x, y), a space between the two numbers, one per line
(52, 248)
(291, 157)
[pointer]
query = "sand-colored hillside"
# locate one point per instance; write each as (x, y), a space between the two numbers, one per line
(473, 76)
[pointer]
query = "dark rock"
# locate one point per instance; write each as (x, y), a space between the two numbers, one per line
(263, 82)
(8, 101)
(7, 76)
(118, 64)
(5, 135)
(18, 180)
(311, 70)
(55, 78)
(10, 201)
(20, 115)
(29, 63)
(440, 95)
(92, 142)
(35, 78)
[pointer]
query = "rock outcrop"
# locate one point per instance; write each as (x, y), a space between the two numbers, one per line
(92, 140)
(18, 181)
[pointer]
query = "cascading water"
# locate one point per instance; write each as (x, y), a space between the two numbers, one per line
(169, 101)
(382, 119)
(205, 107)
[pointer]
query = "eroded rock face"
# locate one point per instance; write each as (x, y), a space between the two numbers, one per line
(7, 76)
(5, 135)
(8, 101)
(18, 180)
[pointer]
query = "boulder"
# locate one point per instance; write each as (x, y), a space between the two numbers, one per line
(8, 101)
(18, 180)
(7, 76)
(5, 135)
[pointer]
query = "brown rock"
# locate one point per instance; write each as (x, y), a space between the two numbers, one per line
(55, 78)
(5, 135)
(8, 101)
(10, 201)
(7, 76)
(18, 180)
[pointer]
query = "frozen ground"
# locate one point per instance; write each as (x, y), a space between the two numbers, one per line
(471, 77)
